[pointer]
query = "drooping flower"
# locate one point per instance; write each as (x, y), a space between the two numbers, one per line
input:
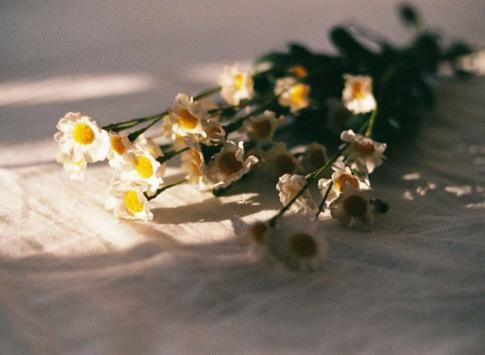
(289, 186)
(193, 165)
(74, 169)
(364, 154)
(341, 176)
(292, 94)
(186, 119)
(141, 167)
(229, 164)
(127, 200)
(297, 243)
(119, 145)
(236, 85)
(278, 161)
(352, 208)
(261, 128)
(314, 157)
(357, 95)
(81, 138)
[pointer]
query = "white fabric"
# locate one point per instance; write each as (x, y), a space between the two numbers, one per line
(75, 281)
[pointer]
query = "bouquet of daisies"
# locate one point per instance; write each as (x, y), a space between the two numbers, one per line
(303, 118)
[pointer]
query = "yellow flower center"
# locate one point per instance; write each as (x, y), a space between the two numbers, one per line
(346, 178)
(117, 144)
(261, 129)
(143, 166)
(239, 81)
(132, 202)
(364, 148)
(285, 164)
(357, 90)
(228, 164)
(355, 206)
(299, 95)
(298, 70)
(186, 120)
(303, 245)
(83, 134)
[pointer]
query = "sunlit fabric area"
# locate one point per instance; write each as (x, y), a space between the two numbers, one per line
(76, 280)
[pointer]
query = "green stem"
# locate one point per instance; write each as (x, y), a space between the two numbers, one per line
(170, 155)
(372, 120)
(236, 124)
(324, 199)
(166, 187)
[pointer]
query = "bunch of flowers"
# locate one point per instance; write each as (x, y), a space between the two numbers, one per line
(284, 118)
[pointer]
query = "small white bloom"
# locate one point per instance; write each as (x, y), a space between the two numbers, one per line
(315, 157)
(186, 119)
(229, 165)
(141, 167)
(127, 200)
(119, 145)
(261, 128)
(341, 176)
(74, 169)
(297, 243)
(81, 138)
(236, 85)
(352, 208)
(364, 153)
(278, 160)
(193, 164)
(292, 94)
(289, 186)
(357, 95)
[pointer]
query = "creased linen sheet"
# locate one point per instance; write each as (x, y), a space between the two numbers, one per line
(75, 281)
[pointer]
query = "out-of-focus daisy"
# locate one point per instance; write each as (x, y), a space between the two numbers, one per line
(341, 176)
(141, 167)
(278, 160)
(127, 200)
(236, 85)
(292, 94)
(258, 233)
(81, 138)
(193, 164)
(364, 154)
(186, 119)
(314, 157)
(229, 164)
(352, 208)
(261, 128)
(357, 95)
(297, 243)
(289, 186)
(74, 169)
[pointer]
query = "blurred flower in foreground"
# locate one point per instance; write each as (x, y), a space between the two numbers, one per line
(261, 128)
(292, 94)
(357, 95)
(74, 169)
(352, 208)
(236, 85)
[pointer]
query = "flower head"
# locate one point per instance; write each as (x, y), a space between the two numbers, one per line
(352, 208)
(229, 164)
(278, 160)
(186, 119)
(195, 168)
(81, 138)
(292, 94)
(289, 186)
(236, 85)
(74, 169)
(127, 200)
(261, 128)
(364, 153)
(119, 145)
(357, 95)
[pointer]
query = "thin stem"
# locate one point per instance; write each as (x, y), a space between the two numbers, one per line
(170, 155)
(207, 93)
(324, 199)
(372, 120)
(235, 125)
(166, 187)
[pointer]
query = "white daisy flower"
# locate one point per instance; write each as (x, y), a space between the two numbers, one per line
(81, 138)
(261, 128)
(292, 94)
(119, 145)
(341, 176)
(229, 164)
(289, 186)
(193, 164)
(357, 95)
(314, 157)
(236, 85)
(278, 160)
(127, 200)
(186, 119)
(364, 154)
(141, 167)
(352, 208)
(74, 169)
(297, 243)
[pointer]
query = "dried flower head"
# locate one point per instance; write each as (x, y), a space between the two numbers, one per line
(352, 208)
(289, 186)
(364, 154)
(278, 160)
